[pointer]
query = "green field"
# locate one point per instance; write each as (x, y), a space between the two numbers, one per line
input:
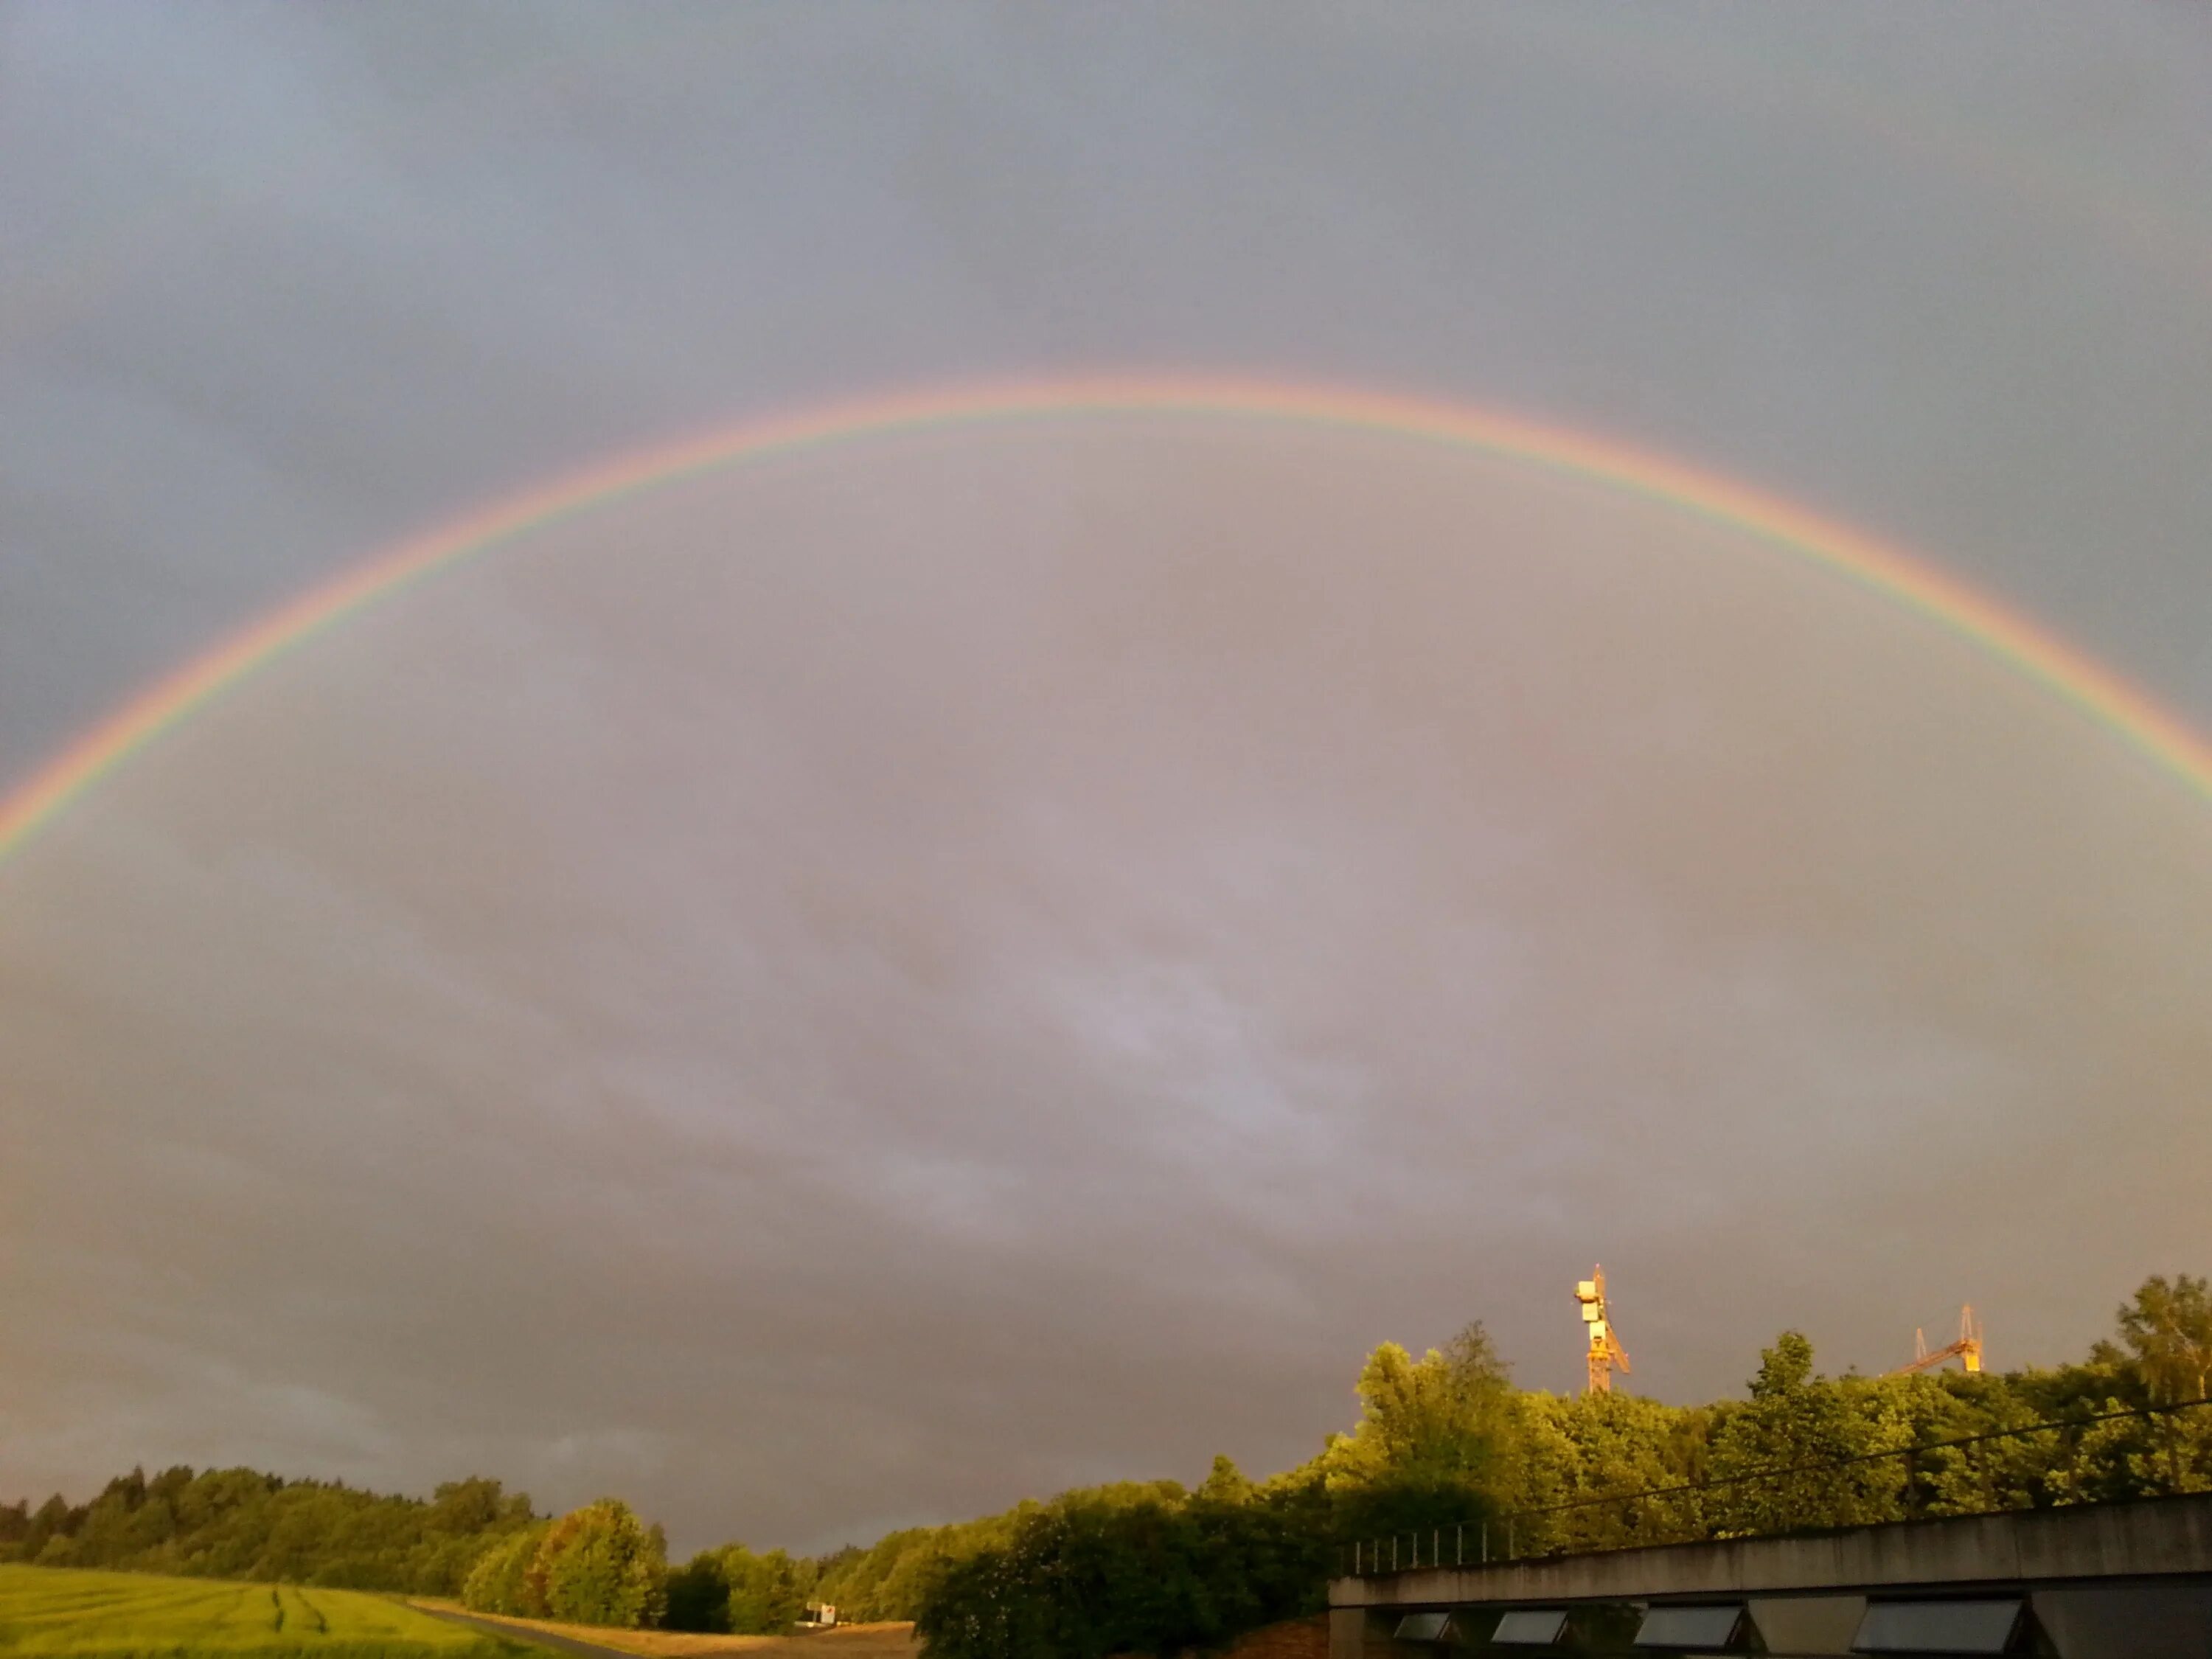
(129, 1615)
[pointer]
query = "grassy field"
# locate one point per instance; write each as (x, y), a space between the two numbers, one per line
(126, 1615)
(846, 1642)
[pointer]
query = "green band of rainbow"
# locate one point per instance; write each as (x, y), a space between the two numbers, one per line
(2041, 657)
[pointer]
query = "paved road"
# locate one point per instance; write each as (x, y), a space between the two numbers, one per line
(543, 1639)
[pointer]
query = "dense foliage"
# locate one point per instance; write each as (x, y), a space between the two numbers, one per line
(500, 1580)
(733, 1590)
(1134, 1569)
(595, 1565)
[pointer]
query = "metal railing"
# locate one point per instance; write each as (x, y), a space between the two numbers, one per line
(1925, 1488)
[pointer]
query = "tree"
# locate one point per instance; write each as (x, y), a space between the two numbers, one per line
(1584, 1449)
(1795, 1418)
(1226, 1483)
(598, 1566)
(474, 1505)
(2168, 1330)
(501, 1583)
(1438, 1442)
(889, 1580)
(732, 1589)
(53, 1519)
(698, 1596)
(776, 1594)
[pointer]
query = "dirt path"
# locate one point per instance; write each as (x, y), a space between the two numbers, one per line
(884, 1641)
(516, 1631)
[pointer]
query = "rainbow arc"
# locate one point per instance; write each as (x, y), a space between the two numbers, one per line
(2040, 656)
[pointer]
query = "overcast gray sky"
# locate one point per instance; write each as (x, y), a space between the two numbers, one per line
(851, 992)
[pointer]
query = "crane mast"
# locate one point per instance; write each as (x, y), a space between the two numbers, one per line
(1605, 1354)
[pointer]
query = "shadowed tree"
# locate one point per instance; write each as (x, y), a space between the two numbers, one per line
(2167, 1328)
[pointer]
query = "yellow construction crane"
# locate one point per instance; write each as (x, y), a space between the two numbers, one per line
(1606, 1353)
(1967, 1350)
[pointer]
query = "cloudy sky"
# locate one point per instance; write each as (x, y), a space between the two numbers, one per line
(851, 991)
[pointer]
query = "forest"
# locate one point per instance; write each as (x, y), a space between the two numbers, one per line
(1444, 1442)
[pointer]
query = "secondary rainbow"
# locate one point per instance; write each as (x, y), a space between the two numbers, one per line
(2040, 656)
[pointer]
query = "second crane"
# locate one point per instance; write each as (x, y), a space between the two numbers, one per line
(1605, 1354)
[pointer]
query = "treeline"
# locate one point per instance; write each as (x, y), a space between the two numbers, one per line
(1444, 1442)
(238, 1523)
(473, 1540)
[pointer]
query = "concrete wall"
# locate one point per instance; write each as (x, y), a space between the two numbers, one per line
(2168, 1536)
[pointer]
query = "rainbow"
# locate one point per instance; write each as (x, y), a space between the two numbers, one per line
(2040, 656)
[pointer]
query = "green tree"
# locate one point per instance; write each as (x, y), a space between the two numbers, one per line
(774, 1595)
(2168, 1329)
(1796, 1418)
(501, 1583)
(1439, 1440)
(889, 1580)
(1582, 1451)
(1224, 1483)
(53, 1519)
(698, 1596)
(598, 1565)
(756, 1594)
(475, 1506)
